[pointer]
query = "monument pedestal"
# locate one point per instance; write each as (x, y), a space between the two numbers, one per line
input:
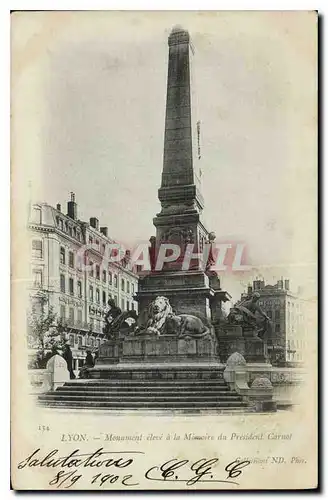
(165, 356)
(255, 348)
(188, 291)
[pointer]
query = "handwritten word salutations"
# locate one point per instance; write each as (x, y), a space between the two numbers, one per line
(98, 458)
(116, 468)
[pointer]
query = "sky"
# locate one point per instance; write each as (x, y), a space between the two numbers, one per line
(88, 95)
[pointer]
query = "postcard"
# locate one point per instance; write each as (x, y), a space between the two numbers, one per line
(164, 250)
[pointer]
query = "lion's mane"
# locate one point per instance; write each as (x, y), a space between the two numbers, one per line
(157, 320)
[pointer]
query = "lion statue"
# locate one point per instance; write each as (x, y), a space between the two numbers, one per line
(162, 320)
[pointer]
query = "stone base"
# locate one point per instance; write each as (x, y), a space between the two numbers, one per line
(157, 349)
(255, 351)
(233, 338)
(230, 340)
(189, 292)
(152, 356)
(164, 371)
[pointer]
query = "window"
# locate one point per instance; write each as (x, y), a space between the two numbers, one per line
(277, 328)
(36, 215)
(62, 255)
(132, 306)
(79, 316)
(37, 278)
(61, 224)
(128, 286)
(37, 249)
(115, 299)
(104, 275)
(277, 315)
(71, 259)
(122, 284)
(62, 283)
(97, 295)
(80, 341)
(71, 286)
(110, 278)
(91, 267)
(103, 248)
(270, 314)
(122, 304)
(62, 312)
(115, 280)
(97, 272)
(71, 315)
(71, 340)
(104, 297)
(70, 230)
(132, 286)
(97, 244)
(91, 293)
(128, 305)
(90, 240)
(79, 289)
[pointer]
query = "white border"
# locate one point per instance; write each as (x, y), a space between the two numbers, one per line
(5, 7)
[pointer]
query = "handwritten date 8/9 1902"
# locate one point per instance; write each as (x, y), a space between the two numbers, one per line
(173, 470)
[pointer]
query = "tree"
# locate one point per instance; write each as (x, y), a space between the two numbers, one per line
(43, 332)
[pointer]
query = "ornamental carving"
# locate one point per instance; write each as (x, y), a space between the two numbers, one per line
(261, 383)
(236, 359)
(178, 235)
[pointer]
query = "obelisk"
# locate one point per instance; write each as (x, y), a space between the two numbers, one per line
(181, 200)
(190, 290)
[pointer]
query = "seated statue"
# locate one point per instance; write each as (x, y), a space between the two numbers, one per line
(124, 324)
(162, 320)
(244, 314)
(118, 321)
(112, 312)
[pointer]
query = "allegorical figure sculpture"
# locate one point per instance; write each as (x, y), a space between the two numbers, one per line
(112, 312)
(211, 258)
(162, 320)
(118, 321)
(244, 314)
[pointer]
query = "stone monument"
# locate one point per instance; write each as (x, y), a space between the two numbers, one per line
(179, 301)
(191, 287)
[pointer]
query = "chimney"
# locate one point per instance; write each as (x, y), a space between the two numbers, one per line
(249, 289)
(72, 207)
(104, 231)
(286, 284)
(58, 207)
(94, 222)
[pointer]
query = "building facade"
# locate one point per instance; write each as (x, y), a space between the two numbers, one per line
(70, 264)
(287, 312)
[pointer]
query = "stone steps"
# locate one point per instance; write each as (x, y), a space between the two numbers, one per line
(163, 395)
(147, 383)
(145, 397)
(143, 404)
(142, 390)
